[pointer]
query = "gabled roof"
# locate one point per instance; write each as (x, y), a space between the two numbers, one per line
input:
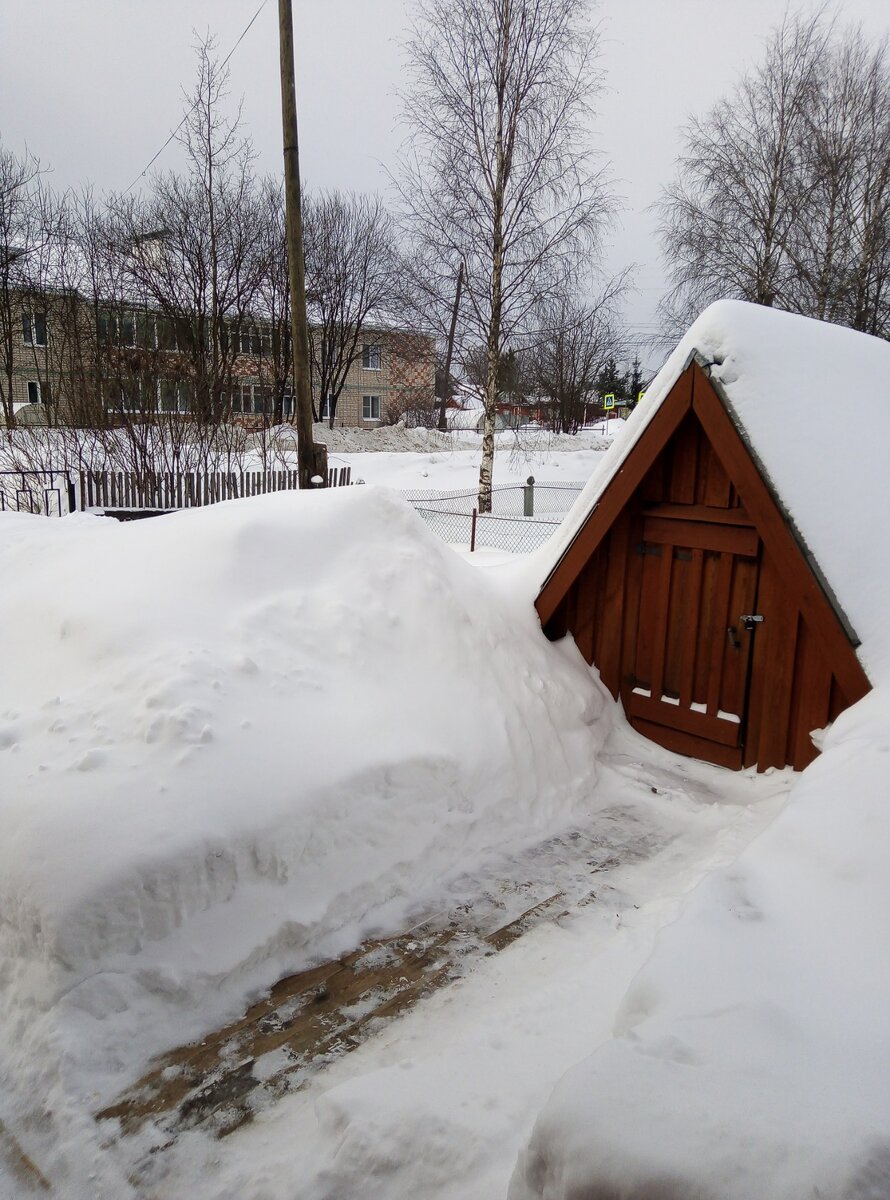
(812, 403)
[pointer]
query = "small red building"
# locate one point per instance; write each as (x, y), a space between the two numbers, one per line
(689, 572)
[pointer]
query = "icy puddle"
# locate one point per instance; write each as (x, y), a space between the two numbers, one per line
(414, 1065)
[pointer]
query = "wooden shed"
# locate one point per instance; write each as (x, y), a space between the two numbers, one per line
(694, 593)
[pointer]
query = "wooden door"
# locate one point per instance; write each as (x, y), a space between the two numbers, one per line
(689, 679)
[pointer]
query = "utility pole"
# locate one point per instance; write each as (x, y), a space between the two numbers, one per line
(296, 267)
(443, 422)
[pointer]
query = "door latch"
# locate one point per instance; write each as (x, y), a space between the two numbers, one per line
(749, 620)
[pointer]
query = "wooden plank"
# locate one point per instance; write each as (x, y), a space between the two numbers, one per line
(699, 535)
(810, 699)
(651, 489)
(798, 578)
(714, 486)
(838, 701)
(699, 512)
(736, 660)
(716, 634)
(585, 594)
(690, 625)
(684, 462)
(616, 495)
(686, 743)
(646, 624)
(686, 720)
(631, 615)
(775, 653)
(608, 633)
(588, 599)
(659, 635)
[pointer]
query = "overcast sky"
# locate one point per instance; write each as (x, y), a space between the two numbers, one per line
(93, 88)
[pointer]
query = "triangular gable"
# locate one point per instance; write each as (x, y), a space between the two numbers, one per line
(693, 392)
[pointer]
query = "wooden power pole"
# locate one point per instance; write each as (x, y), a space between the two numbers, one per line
(296, 267)
(443, 420)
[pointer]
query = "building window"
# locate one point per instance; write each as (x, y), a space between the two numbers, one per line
(370, 357)
(165, 333)
(174, 397)
(287, 405)
(116, 331)
(252, 341)
(39, 393)
(324, 412)
(371, 408)
(34, 329)
(252, 398)
(131, 397)
(262, 399)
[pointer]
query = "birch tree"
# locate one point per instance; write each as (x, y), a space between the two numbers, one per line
(498, 172)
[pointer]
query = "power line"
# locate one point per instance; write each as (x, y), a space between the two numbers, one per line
(189, 111)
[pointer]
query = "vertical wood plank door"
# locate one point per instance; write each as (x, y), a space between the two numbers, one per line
(687, 686)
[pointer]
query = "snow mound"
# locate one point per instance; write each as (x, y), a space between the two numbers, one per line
(752, 1052)
(238, 739)
(384, 438)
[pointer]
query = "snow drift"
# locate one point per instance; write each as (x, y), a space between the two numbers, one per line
(236, 740)
(751, 1056)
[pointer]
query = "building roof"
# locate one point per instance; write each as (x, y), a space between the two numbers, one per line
(812, 402)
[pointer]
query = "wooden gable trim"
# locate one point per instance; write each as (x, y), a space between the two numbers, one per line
(618, 492)
(778, 537)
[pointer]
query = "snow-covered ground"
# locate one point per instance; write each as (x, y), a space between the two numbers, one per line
(440, 1103)
(411, 459)
(236, 741)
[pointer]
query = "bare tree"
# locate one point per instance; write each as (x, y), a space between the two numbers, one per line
(350, 281)
(575, 341)
(498, 172)
(783, 191)
(191, 254)
(22, 246)
(273, 296)
(726, 219)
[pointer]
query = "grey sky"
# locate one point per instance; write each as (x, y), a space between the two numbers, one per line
(93, 88)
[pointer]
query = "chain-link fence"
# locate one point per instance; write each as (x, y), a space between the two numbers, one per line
(523, 517)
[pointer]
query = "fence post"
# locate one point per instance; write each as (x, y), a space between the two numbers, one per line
(528, 498)
(473, 530)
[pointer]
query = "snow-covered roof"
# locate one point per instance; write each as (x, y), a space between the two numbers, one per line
(751, 1055)
(464, 418)
(791, 385)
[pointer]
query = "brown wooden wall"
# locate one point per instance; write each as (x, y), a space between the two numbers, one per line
(786, 685)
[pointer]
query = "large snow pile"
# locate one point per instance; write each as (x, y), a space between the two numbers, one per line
(235, 740)
(752, 1054)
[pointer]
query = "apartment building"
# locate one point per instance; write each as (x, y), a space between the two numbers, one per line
(64, 359)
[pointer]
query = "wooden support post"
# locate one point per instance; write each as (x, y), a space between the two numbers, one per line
(306, 464)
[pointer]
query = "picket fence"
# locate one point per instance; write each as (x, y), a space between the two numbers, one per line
(165, 490)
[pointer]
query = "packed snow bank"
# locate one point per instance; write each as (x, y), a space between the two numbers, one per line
(752, 1054)
(753, 1050)
(238, 739)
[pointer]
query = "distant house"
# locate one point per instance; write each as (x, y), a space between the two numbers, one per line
(715, 570)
